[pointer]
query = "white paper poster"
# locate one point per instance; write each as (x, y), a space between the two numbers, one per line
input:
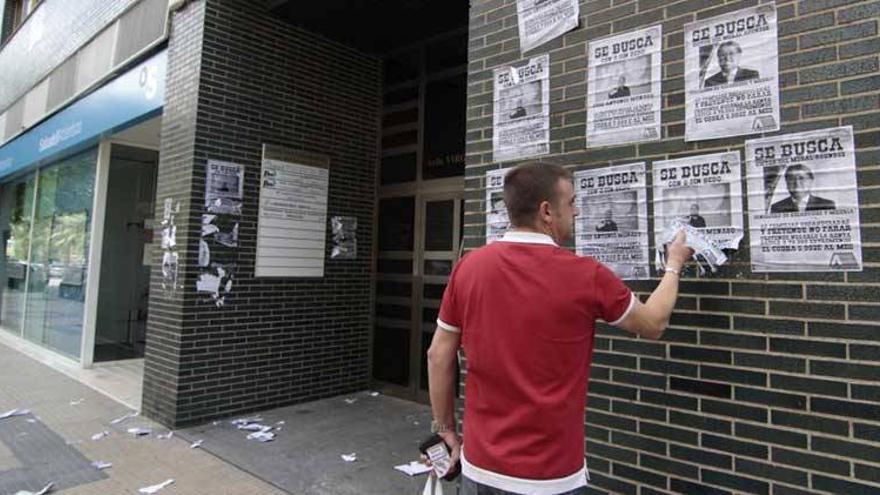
(803, 202)
(497, 221)
(613, 223)
(731, 74)
(292, 228)
(543, 20)
(522, 110)
(704, 194)
(224, 187)
(624, 99)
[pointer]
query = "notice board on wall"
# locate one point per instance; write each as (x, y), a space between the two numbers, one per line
(292, 221)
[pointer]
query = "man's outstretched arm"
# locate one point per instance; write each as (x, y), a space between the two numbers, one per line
(651, 318)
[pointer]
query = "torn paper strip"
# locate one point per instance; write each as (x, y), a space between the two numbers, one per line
(196, 444)
(262, 436)
(98, 436)
(349, 457)
(101, 465)
(156, 488)
(139, 432)
(46, 489)
(15, 412)
(124, 417)
(165, 436)
(77, 402)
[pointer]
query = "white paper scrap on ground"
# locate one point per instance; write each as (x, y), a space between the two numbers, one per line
(196, 444)
(31, 420)
(99, 465)
(414, 468)
(165, 436)
(124, 417)
(46, 489)
(262, 436)
(246, 420)
(156, 488)
(77, 402)
(98, 436)
(349, 457)
(139, 432)
(350, 401)
(15, 412)
(374, 394)
(255, 427)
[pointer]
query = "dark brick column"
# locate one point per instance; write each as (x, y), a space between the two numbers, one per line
(240, 78)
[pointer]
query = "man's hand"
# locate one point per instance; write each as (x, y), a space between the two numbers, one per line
(453, 440)
(677, 252)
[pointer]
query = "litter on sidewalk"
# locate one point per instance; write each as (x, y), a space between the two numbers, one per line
(196, 444)
(98, 436)
(349, 457)
(100, 465)
(139, 432)
(46, 489)
(414, 468)
(165, 436)
(15, 412)
(156, 488)
(124, 417)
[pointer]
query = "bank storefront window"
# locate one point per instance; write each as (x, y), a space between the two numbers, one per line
(16, 206)
(59, 254)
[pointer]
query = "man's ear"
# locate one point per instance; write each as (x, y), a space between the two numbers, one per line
(544, 210)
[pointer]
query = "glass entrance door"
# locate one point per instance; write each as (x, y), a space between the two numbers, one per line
(419, 242)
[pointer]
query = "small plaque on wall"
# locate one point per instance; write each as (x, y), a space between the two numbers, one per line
(291, 229)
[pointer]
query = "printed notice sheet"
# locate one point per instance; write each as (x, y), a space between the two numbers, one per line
(731, 74)
(703, 194)
(497, 220)
(613, 223)
(624, 102)
(543, 20)
(803, 202)
(521, 126)
(292, 227)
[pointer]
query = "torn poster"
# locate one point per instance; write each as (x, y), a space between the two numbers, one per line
(543, 20)
(703, 193)
(624, 98)
(497, 221)
(521, 126)
(217, 283)
(343, 233)
(204, 254)
(169, 270)
(803, 202)
(613, 223)
(732, 74)
(224, 187)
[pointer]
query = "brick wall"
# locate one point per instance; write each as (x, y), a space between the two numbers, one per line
(763, 383)
(246, 79)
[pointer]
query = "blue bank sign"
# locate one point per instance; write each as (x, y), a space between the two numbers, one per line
(130, 98)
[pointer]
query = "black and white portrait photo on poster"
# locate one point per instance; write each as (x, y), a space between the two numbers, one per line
(624, 88)
(703, 195)
(612, 226)
(224, 187)
(497, 221)
(803, 202)
(732, 74)
(543, 20)
(522, 110)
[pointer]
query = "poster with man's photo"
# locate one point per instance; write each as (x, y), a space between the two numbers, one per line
(624, 102)
(522, 110)
(497, 221)
(224, 187)
(803, 202)
(613, 223)
(732, 74)
(543, 20)
(703, 195)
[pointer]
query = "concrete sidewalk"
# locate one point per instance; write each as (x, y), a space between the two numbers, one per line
(54, 443)
(305, 457)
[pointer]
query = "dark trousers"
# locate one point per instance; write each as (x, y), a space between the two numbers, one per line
(471, 487)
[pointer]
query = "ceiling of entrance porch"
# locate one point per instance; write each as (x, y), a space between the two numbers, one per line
(374, 26)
